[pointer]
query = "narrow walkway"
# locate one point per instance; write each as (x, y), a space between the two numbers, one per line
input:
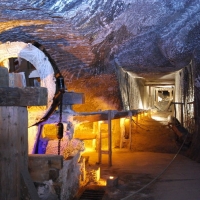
(135, 169)
(153, 134)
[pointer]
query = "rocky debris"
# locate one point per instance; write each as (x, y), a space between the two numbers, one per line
(46, 190)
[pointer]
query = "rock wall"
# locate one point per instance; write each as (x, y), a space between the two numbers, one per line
(184, 93)
(147, 37)
(56, 178)
(195, 148)
(131, 88)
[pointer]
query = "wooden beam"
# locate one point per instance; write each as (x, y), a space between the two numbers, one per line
(28, 96)
(109, 138)
(4, 80)
(90, 118)
(10, 152)
(177, 103)
(123, 114)
(160, 82)
(14, 154)
(130, 132)
(14, 140)
(103, 115)
(28, 190)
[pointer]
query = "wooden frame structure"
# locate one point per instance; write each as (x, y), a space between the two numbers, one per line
(15, 180)
(107, 117)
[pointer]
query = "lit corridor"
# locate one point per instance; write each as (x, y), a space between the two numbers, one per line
(149, 170)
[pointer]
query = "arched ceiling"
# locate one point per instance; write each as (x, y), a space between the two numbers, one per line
(150, 38)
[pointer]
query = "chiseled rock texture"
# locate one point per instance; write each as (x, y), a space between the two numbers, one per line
(85, 37)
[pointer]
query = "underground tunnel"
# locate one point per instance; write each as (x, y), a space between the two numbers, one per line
(97, 98)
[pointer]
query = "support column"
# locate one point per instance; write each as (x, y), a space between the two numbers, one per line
(14, 176)
(13, 149)
(109, 138)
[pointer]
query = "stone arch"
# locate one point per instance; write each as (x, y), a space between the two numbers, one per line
(37, 58)
(46, 73)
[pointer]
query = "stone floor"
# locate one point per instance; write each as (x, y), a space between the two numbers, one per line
(150, 172)
(135, 170)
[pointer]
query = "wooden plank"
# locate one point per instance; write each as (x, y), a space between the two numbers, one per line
(182, 114)
(90, 118)
(122, 114)
(122, 132)
(102, 116)
(10, 151)
(99, 143)
(160, 82)
(28, 190)
(29, 96)
(109, 138)
(130, 132)
(71, 98)
(4, 79)
(14, 177)
(22, 133)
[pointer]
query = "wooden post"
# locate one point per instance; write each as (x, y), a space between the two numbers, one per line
(122, 131)
(109, 138)
(14, 140)
(149, 103)
(156, 95)
(130, 129)
(109, 150)
(174, 110)
(4, 81)
(182, 114)
(99, 142)
(136, 122)
(181, 111)
(11, 151)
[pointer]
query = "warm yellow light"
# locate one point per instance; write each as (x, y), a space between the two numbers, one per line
(111, 177)
(17, 23)
(126, 121)
(158, 118)
(89, 149)
(102, 182)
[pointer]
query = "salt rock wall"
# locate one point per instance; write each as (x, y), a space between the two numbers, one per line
(132, 90)
(184, 92)
(84, 37)
(56, 178)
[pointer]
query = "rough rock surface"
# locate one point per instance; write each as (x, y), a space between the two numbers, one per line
(85, 37)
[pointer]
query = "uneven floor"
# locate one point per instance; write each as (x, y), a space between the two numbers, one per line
(153, 134)
(145, 172)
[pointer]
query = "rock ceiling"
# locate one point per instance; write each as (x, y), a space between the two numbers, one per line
(150, 38)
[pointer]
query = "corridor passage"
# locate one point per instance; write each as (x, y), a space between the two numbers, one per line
(151, 170)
